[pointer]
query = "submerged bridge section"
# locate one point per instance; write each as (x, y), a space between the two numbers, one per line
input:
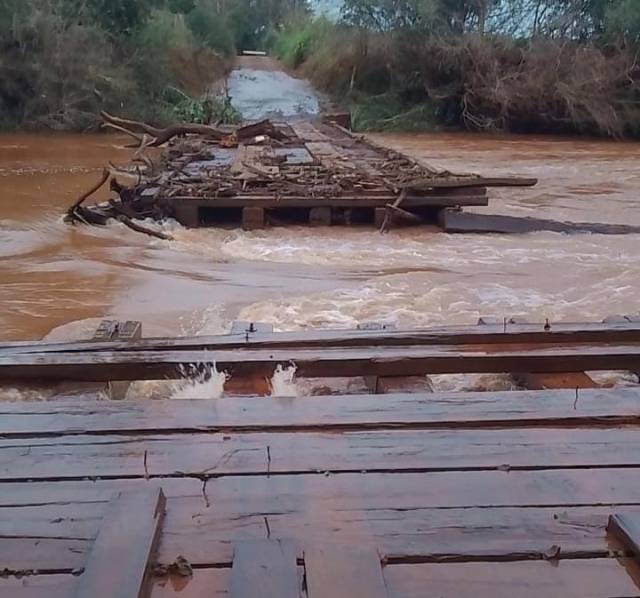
(526, 493)
(275, 173)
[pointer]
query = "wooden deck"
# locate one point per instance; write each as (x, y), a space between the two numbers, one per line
(520, 494)
(439, 495)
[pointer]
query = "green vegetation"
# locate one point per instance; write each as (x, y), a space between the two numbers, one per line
(62, 61)
(557, 66)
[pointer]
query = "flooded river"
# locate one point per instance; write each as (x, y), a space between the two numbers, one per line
(63, 278)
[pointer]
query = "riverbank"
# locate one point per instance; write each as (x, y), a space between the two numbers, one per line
(402, 71)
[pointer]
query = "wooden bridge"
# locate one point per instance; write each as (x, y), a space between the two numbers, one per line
(518, 494)
(298, 172)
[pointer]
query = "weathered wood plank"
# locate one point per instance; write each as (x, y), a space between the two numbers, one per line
(438, 516)
(241, 327)
(252, 218)
(121, 556)
(475, 181)
(205, 583)
(595, 578)
(592, 578)
(457, 221)
(330, 362)
(343, 572)
(487, 334)
(306, 131)
(626, 530)
(204, 534)
(229, 453)
(265, 568)
(425, 411)
(185, 205)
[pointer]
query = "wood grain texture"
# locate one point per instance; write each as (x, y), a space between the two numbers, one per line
(508, 409)
(514, 333)
(592, 578)
(436, 517)
(230, 453)
(330, 362)
(335, 571)
(121, 556)
(264, 569)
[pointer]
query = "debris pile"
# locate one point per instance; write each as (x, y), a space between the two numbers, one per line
(269, 165)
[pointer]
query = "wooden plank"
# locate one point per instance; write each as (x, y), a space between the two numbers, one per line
(471, 181)
(626, 530)
(364, 200)
(456, 221)
(204, 535)
(107, 330)
(204, 583)
(329, 156)
(504, 409)
(202, 455)
(343, 572)
(306, 131)
(331, 362)
(265, 568)
(495, 333)
(251, 328)
(432, 517)
(252, 218)
(590, 578)
(120, 559)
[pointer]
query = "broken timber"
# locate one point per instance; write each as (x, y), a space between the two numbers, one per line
(276, 173)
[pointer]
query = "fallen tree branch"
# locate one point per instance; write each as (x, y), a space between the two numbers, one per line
(161, 136)
(109, 125)
(396, 204)
(139, 228)
(71, 212)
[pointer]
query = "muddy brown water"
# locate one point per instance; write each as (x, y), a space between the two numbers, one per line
(64, 278)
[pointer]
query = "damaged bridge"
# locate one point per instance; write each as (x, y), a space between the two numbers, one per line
(266, 174)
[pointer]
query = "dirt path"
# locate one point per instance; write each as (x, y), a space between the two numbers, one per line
(260, 88)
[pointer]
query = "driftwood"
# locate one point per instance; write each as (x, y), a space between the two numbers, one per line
(72, 212)
(139, 228)
(264, 127)
(396, 204)
(161, 136)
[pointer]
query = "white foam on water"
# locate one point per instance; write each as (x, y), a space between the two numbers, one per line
(283, 383)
